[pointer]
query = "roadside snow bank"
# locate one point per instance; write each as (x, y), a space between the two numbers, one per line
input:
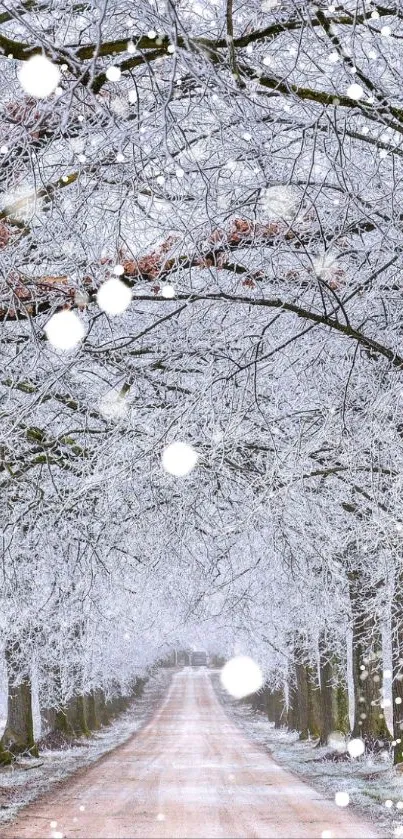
(28, 778)
(375, 788)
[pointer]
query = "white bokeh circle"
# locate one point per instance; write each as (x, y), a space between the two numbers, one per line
(38, 76)
(342, 799)
(356, 747)
(337, 741)
(355, 91)
(114, 297)
(241, 676)
(179, 459)
(64, 330)
(113, 73)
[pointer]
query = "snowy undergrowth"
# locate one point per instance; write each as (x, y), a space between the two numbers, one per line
(370, 781)
(29, 778)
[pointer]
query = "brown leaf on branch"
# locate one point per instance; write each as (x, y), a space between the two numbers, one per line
(52, 281)
(5, 235)
(150, 267)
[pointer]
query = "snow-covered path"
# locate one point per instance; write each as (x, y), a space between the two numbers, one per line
(189, 773)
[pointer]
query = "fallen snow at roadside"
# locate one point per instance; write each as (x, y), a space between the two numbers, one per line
(27, 779)
(373, 785)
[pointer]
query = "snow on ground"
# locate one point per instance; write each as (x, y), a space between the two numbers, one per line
(29, 778)
(374, 786)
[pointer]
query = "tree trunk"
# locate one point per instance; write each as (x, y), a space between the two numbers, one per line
(397, 664)
(302, 701)
(48, 720)
(18, 736)
(278, 707)
(314, 704)
(261, 701)
(327, 695)
(273, 706)
(137, 688)
(292, 710)
(343, 721)
(91, 711)
(333, 696)
(101, 707)
(71, 718)
(369, 720)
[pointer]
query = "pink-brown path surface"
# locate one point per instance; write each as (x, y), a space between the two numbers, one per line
(188, 773)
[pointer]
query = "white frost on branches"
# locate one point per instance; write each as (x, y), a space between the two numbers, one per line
(240, 211)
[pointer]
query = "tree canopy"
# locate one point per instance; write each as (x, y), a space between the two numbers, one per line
(200, 243)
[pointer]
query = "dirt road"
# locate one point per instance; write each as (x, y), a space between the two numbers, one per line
(189, 773)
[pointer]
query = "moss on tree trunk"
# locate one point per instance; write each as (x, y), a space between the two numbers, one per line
(333, 695)
(91, 711)
(71, 718)
(292, 709)
(315, 721)
(397, 664)
(369, 719)
(18, 737)
(302, 699)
